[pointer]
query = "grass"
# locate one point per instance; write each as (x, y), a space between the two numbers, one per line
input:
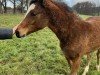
(85, 16)
(36, 54)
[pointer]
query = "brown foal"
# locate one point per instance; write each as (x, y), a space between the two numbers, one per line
(77, 37)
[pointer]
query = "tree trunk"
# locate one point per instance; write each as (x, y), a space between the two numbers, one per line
(22, 6)
(0, 6)
(14, 7)
(27, 4)
(5, 6)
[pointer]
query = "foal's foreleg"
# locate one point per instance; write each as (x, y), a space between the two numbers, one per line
(75, 66)
(98, 60)
(87, 66)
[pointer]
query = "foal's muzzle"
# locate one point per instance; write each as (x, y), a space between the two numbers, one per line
(18, 34)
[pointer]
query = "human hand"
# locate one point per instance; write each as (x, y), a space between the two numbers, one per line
(14, 29)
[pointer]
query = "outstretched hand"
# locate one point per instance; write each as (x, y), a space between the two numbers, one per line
(14, 29)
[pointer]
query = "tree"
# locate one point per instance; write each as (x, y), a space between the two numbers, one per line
(1, 7)
(5, 6)
(14, 5)
(27, 4)
(85, 8)
(23, 5)
(18, 6)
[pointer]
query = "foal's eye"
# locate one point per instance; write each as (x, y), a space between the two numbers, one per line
(32, 14)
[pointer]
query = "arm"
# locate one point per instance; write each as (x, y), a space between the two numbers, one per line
(6, 33)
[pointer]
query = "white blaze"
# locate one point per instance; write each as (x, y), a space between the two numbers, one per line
(32, 6)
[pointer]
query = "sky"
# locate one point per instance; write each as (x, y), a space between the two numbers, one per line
(69, 2)
(9, 4)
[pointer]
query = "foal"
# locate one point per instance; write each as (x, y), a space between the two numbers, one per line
(77, 37)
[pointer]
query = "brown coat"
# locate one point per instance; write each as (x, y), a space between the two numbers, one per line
(77, 37)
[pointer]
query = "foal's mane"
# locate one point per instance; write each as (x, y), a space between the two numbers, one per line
(64, 4)
(60, 2)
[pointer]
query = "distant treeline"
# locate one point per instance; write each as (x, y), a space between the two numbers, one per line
(15, 6)
(20, 6)
(87, 8)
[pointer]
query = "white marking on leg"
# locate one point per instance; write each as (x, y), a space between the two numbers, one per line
(86, 70)
(98, 67)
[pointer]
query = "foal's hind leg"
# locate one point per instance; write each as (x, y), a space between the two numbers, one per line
(87, 66)
(98, 59)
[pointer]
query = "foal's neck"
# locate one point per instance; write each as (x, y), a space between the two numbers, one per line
(62, 20)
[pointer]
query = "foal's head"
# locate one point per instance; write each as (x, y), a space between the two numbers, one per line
(35, 19)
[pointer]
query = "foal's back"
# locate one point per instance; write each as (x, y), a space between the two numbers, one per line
(95, 34)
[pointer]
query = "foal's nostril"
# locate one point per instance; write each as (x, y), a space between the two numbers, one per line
(18, 34)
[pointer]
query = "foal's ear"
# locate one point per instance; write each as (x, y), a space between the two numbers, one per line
(33, 1)
(41, 1)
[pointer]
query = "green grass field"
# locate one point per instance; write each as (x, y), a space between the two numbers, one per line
(36, 54)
